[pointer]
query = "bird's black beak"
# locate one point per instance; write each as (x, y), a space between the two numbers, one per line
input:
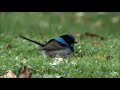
(75, 42)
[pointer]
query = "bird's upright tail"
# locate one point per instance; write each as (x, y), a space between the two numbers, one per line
(31, 40)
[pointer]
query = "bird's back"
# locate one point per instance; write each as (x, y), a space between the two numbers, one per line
(56, 49)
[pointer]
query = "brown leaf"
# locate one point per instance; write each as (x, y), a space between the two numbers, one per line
(8, 46)
(89, 34)
(25, 72)
(8, 74)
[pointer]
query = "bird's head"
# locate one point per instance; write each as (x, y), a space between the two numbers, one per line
(69, 39)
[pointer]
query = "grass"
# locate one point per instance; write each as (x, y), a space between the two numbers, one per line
(89, 61)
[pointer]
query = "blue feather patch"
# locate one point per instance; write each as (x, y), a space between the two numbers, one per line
(61, 40)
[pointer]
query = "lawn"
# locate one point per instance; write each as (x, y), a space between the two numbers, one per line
(93, 57)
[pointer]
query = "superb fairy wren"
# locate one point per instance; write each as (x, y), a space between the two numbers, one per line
(62, 46)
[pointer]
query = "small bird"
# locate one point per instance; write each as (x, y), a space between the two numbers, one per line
(62, 46)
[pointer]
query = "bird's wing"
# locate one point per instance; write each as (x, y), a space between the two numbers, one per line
(53, 45)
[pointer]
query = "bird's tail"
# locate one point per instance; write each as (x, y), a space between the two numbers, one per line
(31, 40)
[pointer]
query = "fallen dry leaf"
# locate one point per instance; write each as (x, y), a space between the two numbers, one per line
(8, 74)
(8, 46)
(25, 72)
(89, 34)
